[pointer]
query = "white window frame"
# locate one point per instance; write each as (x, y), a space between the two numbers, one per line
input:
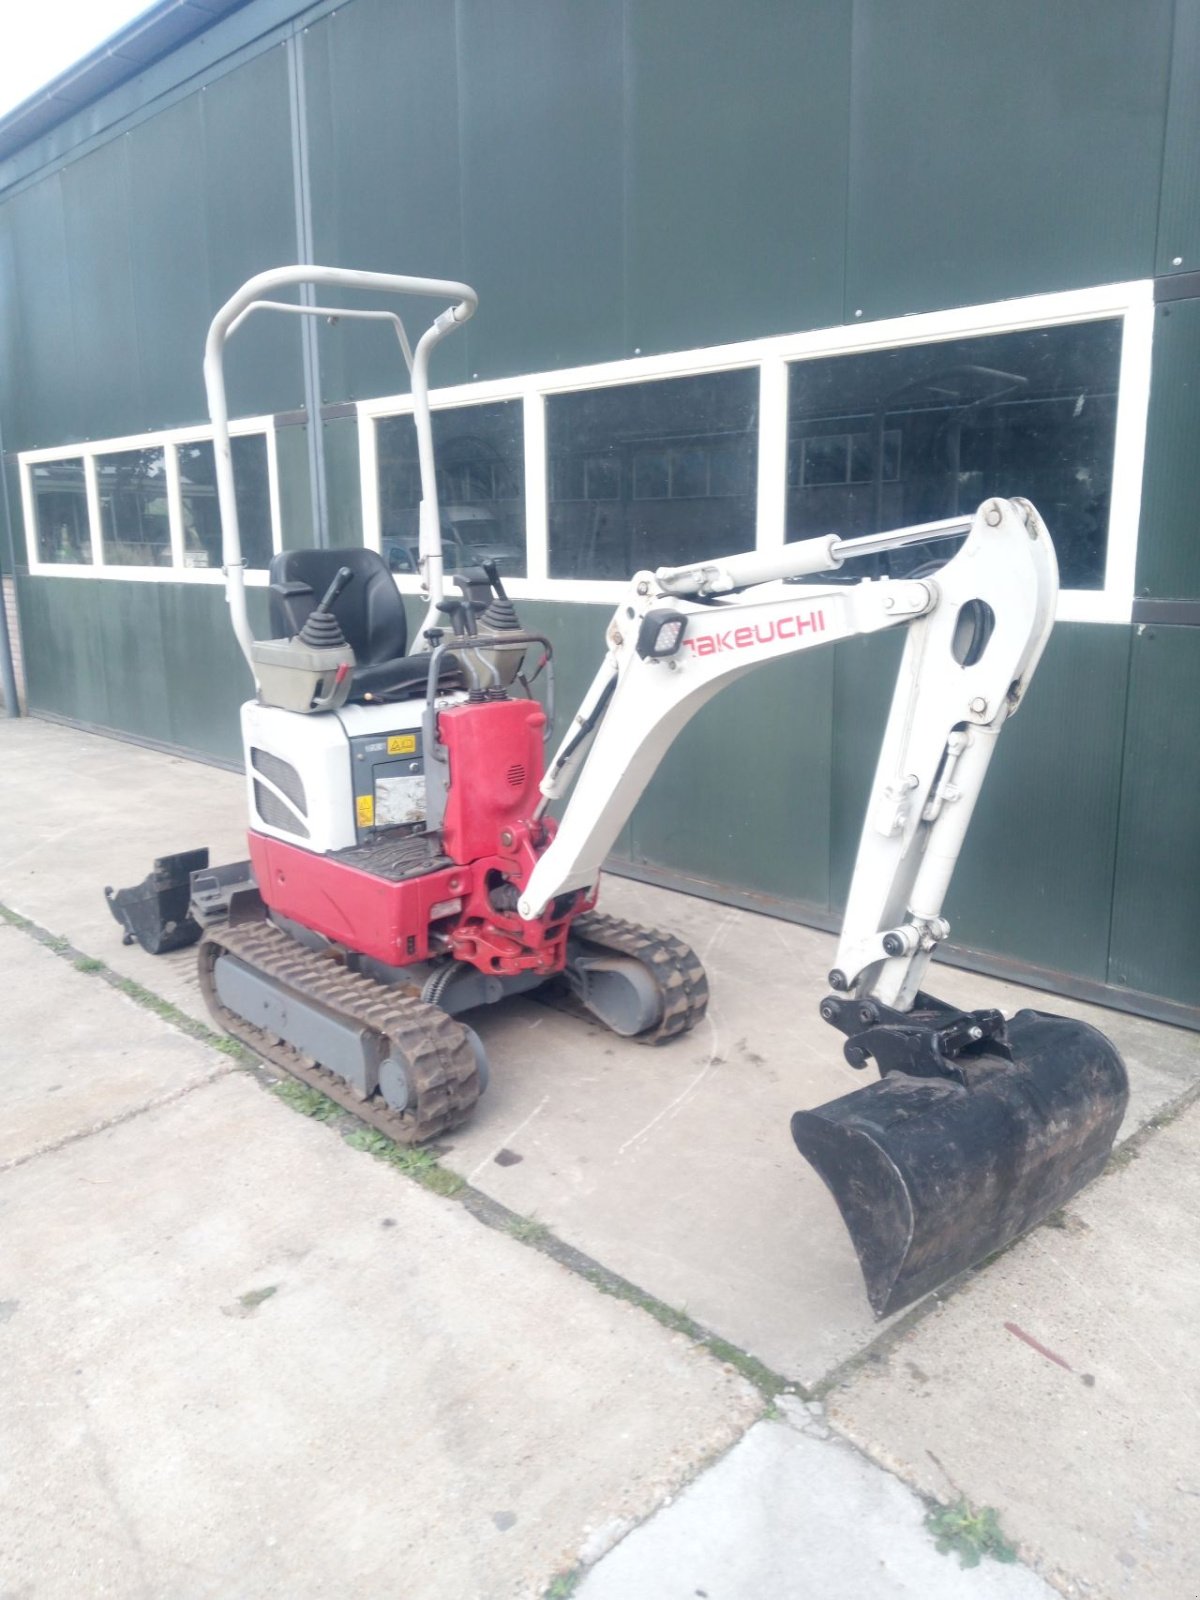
(167, 440)
(1132, 302)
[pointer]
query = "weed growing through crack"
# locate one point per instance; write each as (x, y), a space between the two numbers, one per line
(971, 1532)
(89, 964)
(412, 1160)
(308, 1102)
(528, 1230)
(564, 1585)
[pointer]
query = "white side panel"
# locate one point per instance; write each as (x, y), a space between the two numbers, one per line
(319, 750)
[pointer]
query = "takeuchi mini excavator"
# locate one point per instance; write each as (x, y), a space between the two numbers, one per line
(408, 863)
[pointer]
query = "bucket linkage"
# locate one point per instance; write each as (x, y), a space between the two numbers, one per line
(978, 1129)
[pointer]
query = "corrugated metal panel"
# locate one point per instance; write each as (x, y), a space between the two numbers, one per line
(207, 55)
(42, 400)
(157, 660)
(66, 650)
(96, 204)
(382, 95)
(120, 261)
(1169, 537)
(541, 95)
(1036, 877)
(737, 168)
(343, 488)
(170, 261)
(209, 680)
(250, 220)
(1179, 211)
(129, 51)
(295, 497)
(1156, 914)
(1002, 149)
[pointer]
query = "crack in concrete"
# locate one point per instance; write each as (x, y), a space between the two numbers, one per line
(117, 1121)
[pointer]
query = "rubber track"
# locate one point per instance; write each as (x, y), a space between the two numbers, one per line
(435, 1048)
(676, 968)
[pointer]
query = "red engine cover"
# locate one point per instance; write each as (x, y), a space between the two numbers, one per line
(495, 754)
(390, 921)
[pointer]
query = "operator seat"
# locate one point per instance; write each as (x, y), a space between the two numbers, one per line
(370, 612)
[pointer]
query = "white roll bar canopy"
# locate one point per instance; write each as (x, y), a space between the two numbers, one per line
(250, 298)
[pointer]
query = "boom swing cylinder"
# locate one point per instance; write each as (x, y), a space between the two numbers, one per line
(407, 866)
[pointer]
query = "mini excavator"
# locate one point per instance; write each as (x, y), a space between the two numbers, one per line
(406, 869)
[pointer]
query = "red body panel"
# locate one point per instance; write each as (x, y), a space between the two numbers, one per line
(495, 754)
(389, 921)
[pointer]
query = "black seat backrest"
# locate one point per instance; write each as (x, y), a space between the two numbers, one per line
(369, 609)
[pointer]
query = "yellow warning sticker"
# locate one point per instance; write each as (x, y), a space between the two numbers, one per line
(402, 744)
(365, 807)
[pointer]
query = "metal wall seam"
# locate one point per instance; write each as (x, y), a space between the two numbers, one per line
(309, 336)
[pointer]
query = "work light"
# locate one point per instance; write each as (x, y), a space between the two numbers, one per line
(660, 634)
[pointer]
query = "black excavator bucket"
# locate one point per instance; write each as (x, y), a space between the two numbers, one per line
(155, 911)
(933, 1173)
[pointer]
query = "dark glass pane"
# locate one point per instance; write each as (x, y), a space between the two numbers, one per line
(601, 478)
(651, 475)
(198, 491)
(670, 474)
(480, 454)
(134, 522)
(679, 474)
(60, 512)
(824, 460)
(931, 430)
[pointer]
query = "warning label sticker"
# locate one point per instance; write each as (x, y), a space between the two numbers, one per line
(402, 744)
(364, 806)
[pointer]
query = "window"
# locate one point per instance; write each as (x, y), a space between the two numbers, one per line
(480, 454)
(147, 507)
(826, 458)
(198, 496)
(135, 524)
(61, 513)
(665, 460)
(651, 474)
(885, 438)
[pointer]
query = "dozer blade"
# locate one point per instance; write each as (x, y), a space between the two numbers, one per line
(931, 1176)
(155, 911)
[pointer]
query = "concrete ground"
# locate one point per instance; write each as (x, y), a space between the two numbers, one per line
(424, 1405)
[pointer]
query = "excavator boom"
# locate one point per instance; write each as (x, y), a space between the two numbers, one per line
(978, 1126)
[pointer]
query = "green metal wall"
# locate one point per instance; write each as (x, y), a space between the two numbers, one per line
(637, 176)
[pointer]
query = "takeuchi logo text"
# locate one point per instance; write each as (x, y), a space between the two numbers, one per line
(748, 635)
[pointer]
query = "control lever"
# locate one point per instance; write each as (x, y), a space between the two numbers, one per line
(341, 578)
(493, 577)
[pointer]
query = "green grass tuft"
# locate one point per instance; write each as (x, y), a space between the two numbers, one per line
(564, 1585)
(413, 1160)
(527, 1229)
(89, 964)
(970, 1532)
(308, 1102)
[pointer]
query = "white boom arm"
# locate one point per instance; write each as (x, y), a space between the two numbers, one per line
(975, 632)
